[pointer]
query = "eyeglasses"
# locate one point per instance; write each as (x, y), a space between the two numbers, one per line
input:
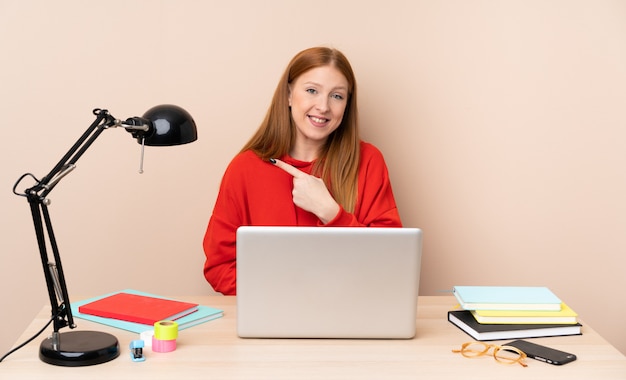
(502, 354)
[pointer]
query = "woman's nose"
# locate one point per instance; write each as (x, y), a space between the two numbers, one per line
(322, 103)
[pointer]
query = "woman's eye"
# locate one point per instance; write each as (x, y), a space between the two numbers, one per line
(311, 91)
(338, 96)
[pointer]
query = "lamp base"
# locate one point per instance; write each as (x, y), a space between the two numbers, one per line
(79, 348)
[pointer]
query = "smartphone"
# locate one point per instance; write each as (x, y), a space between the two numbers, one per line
(543, 353)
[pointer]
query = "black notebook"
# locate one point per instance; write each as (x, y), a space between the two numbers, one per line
(464, 320)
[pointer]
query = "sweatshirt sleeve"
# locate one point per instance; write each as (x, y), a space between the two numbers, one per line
(220, 251)
(376, 205)
(219, 242)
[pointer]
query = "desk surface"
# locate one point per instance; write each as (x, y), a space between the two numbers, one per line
(213, 350)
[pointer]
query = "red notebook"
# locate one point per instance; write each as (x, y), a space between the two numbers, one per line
(137, 308)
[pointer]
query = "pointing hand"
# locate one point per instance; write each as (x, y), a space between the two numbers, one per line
(310, 193)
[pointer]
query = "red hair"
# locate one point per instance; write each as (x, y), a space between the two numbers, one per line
(338, 162)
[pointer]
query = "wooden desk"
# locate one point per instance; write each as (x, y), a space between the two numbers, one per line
(213, 351)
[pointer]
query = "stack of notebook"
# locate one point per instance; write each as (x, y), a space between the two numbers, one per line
(137, 311)
(511, 312)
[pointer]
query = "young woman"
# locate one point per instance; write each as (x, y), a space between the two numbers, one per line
(305, 165)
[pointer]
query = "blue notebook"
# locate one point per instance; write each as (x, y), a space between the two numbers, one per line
(506, 298)
(204, 314)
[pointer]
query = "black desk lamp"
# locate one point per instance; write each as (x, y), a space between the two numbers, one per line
(160, 126)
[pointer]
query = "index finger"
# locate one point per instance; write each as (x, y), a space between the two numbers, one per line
(297, 173)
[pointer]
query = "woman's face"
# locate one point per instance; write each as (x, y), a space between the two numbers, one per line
(318, 99)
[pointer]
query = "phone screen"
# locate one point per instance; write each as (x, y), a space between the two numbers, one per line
(543, 353)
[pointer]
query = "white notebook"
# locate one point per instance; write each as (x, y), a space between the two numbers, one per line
(327, 282)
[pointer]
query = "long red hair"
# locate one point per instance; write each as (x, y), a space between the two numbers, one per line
(338, 162)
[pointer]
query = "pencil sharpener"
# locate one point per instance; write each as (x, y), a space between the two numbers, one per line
(136, 350)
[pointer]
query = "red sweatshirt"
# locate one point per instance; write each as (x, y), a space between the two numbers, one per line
(254, 192)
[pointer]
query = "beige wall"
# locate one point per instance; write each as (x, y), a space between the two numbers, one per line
(503, 124)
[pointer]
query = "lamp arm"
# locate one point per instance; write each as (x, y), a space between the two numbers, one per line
(36, 195)
(53, 271)
(103, 121)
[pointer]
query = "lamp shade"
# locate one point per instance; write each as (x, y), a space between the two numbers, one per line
(169, 125)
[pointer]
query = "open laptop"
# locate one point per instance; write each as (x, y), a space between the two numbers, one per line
(327, 282)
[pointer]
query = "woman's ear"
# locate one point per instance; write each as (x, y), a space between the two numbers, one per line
(289, 94)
